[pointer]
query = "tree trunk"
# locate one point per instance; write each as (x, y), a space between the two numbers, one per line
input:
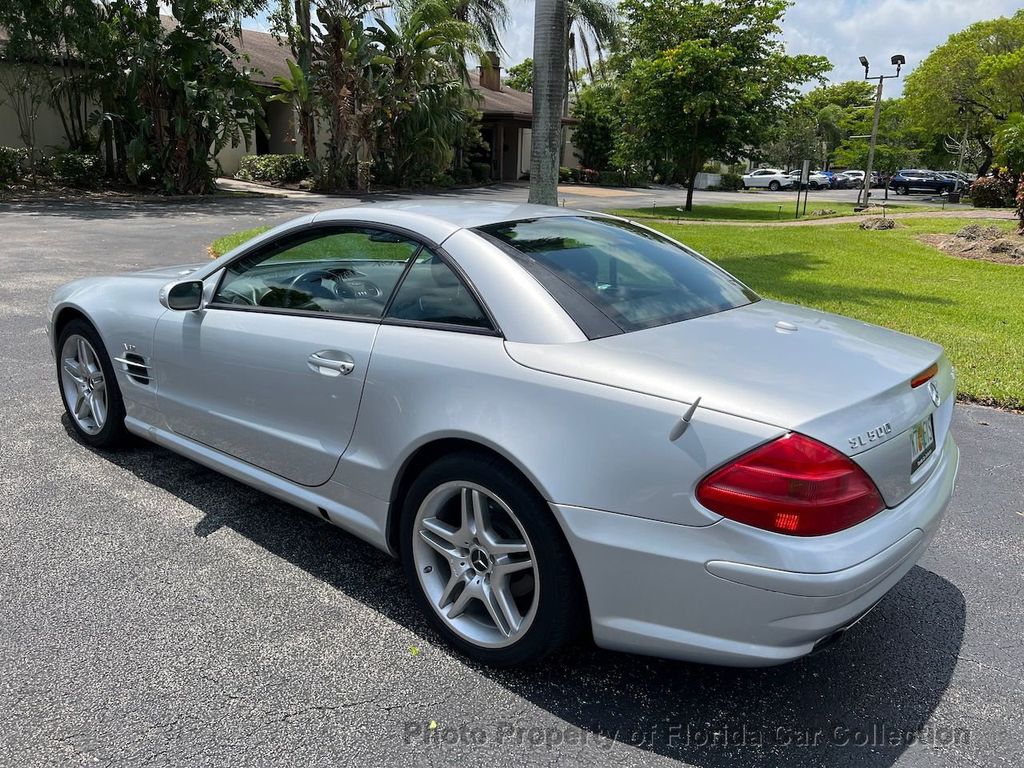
(303, 56)
(549, 55)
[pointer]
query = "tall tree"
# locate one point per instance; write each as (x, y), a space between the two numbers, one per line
(520, 76)
(488, 16)
(703, 78)
(973, 82)
(549, 55)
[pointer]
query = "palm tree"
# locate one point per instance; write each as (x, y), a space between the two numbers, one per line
(488, 16)
(590, 26)
(549, 57)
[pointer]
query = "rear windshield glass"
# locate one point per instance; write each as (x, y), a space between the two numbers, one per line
(635, 278)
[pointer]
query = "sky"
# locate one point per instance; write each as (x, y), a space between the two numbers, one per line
(842, 30)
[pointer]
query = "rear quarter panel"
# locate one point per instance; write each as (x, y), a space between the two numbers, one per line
(580, 443)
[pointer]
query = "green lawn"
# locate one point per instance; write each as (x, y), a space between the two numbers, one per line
(974, 309)
(766, 211)
(222, 245)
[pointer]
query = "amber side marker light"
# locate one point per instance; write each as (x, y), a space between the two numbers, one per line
(924, 376)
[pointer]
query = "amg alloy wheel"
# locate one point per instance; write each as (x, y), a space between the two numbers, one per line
(476, 565)
(88, 387)
(488, 562)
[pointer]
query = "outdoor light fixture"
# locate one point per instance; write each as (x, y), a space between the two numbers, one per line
(897, 60)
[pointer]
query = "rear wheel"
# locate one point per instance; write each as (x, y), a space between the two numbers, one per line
(89, 388)
(774, 186)
(488, 563)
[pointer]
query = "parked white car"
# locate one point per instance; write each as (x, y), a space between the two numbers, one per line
(815, 179)
(771, 178)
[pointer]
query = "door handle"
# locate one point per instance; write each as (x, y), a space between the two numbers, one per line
(330, 362)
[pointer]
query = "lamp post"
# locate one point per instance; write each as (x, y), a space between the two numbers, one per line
(897, 61)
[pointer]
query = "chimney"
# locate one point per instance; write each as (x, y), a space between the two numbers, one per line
(490, 71)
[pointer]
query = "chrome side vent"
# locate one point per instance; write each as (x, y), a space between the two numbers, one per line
(135, 366)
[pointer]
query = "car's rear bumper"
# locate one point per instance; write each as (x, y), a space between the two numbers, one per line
(730, 594)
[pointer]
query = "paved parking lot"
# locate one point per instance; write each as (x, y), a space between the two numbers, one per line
(153, 612)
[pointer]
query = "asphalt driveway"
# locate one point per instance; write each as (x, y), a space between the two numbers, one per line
(154, 612)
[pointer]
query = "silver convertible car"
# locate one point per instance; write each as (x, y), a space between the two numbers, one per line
(560, 422)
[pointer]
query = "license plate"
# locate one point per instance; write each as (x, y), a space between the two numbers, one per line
(922, 443)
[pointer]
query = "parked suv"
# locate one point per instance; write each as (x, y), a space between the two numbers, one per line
(772, 178)
(907, 181)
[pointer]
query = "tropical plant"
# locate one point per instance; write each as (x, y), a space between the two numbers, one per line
(430, 110)
(489, 17)
(590, 28)
(596, 111)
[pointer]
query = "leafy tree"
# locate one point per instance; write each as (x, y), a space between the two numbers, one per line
(973, 81)
(596, 110)
(520, 76)
(703, 79)
(796, 141)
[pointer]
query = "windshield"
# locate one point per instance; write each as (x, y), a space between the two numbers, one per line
(634, 277)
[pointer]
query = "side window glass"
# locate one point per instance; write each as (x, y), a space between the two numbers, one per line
(432, 293)
(348, 271)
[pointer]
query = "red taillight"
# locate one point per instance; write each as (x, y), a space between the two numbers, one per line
(924, 376)
(793, 485)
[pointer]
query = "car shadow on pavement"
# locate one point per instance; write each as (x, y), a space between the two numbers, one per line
(863, 701)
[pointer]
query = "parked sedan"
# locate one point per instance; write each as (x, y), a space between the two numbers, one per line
(556, 420)
(907, 181)
(768, 178)
(815, 179)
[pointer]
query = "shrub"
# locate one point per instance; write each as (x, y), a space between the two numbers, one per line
(731, 182)
(273, 169)
(610, 179)
(76, 169)
(565, 175)
(480, 171)
(444, 181)
(463, 176)
(992, 192)
(589, 175)
(12, 164)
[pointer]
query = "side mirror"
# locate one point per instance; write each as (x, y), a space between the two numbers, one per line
(186, 295)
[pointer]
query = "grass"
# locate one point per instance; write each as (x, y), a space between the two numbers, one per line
(222, 245)
(972, 308)
(767, 211)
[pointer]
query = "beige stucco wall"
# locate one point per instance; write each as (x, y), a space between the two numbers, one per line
(49, 130)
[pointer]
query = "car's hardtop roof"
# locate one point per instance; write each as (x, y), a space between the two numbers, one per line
(438, 219)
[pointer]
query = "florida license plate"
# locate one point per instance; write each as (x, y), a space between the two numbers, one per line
(922, 443)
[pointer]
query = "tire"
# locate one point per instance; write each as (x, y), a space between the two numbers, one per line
(85, 373)
(774, 186)
(452, 567)
(901, 190)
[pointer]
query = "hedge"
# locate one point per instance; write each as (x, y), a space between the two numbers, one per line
(274, 169)
(12, 164)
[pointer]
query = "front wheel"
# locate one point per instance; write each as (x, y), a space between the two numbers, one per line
(488, 563)
(774, 186)
(89, 388)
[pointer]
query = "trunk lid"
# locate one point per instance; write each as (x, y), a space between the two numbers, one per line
(840, 381)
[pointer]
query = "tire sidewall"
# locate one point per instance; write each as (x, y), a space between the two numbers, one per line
(113, 432)
(557, 599)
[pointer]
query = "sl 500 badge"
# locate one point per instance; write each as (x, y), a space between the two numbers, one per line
(876, 433)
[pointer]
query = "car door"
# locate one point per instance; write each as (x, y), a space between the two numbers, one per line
(271, 370)
(758, 179)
